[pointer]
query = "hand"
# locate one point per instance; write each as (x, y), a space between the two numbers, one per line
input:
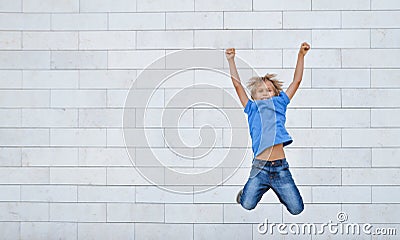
(304, 48)
(230, 53)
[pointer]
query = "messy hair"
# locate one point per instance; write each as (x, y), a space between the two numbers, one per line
(253, 83)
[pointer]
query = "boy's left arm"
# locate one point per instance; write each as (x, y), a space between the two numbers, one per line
(298, 73)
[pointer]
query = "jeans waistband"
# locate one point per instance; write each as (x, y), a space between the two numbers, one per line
(274, 163)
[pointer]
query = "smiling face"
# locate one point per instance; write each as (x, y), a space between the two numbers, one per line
(264, 90)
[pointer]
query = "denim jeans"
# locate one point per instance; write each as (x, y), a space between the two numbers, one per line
(276, 175)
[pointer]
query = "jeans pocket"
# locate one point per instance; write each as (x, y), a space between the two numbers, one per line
(254, 171)
(285, 176)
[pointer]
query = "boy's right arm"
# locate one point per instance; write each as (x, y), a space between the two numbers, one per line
(230, 53)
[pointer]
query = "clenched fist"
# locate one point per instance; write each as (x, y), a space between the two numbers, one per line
(304, 48)
(230, 53)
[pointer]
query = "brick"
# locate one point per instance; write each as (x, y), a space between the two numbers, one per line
(106, 231)
(139, 59)
(81, 21)
(384, 5)
(105, 157)
(12, 118)
(107, 6)
(224, 231)
(10, 193)
(106, 194)
(49, 156)
(77, 175)
(10, 157)
(344, 38)
(78, 137)
(370, 19)
(164, 194)
(280, 38)
(316, 176)
(48, 193)
(43, 230)
(108, 40)
(79, 60)
(225, 5)
(380, 194)
(50, 40)
(285, 5)
(50, 79)
(385, 117)
(193, 213)
(50, 6)
(222, 38)
(24, 21)
(370, 177)
(78, 212)
(383, 58)
(341, 5)
(311, 19)
(194, 20)
(170, 39)
(135, 176)
(10, 79)
(10, 6)
(342, 157)
(25, 98)
(383, 157)
(385, 78)
(318, 58)
(10, 40)
(109, 79)
(357, 118)
(374, 137)
(136, 21)
(362, 98)
(385, 38)
(124, 212)
(55, 118)
(100, 117)
(342, 194)
(363, 212)
(25, 60)
(252, 20)
(162, 6)
(24, 211)
(164, 230)
(340, 78)
(10, 230)
(24, 137)
(78, 98)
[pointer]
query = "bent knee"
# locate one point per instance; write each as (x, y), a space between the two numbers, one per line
(248, 205)
(296, 210)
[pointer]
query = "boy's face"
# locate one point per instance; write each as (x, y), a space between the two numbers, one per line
(264, 90)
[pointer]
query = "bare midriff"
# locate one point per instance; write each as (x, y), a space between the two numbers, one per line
(272, 153)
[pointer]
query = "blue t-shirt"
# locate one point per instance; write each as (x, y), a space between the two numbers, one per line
(267, 122)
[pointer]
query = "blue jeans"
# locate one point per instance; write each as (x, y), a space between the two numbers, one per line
(276, 175)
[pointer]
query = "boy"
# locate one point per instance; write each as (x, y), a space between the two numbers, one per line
(266, 118)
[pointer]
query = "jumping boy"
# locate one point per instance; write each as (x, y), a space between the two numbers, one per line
(266, 117)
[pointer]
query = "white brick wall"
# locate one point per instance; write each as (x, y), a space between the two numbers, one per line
(66, 68)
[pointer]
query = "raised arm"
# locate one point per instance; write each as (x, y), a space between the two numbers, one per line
(298, 73)
(230, 55)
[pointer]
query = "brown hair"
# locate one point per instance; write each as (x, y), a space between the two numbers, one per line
(253, 83)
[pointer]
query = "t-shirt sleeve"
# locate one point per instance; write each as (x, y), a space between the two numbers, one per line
(285, 98)
(247, 109)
